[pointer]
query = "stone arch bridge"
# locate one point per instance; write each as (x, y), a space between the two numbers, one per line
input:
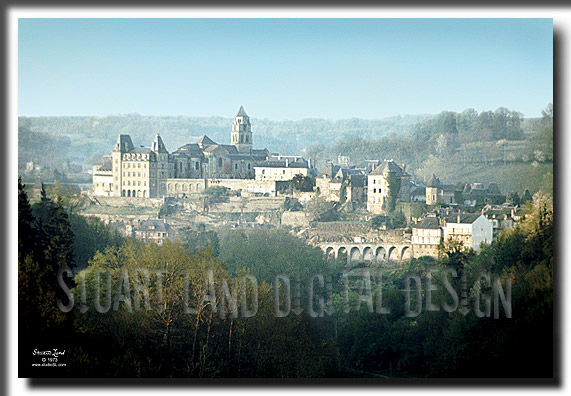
(374, 253)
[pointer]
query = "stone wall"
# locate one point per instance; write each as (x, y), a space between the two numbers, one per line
(296, 219)
(124, 201)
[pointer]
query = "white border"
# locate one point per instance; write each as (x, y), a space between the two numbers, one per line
(562, 20)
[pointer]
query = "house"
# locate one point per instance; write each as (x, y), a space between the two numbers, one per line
(503, 216)
(426, 237)
(281, 169)
(478, 194)
(471, 229)
(153, 230)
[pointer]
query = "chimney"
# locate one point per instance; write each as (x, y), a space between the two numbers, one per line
(403, 168)
(458, 217)
(287, 162)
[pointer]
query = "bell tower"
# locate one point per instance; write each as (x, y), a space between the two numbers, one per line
(242, 132)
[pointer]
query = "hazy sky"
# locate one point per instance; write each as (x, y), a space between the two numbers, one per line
(283, 68)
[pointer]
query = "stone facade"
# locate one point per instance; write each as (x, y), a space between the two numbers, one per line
(281, 169)
(377, 186)
(426, 237)
(145, 172)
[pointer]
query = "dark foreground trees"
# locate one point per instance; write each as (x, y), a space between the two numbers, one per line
(141, 310)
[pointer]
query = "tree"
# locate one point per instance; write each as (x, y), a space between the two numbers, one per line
(393, 186)
(214, 195)
(302, 183)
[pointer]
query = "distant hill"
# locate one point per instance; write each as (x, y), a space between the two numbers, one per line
(80, 139)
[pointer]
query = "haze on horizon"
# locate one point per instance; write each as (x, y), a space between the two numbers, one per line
(283, 69)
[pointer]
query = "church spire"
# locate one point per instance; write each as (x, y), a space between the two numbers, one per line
(241, 112)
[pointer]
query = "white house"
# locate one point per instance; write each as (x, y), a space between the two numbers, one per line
(472, 229)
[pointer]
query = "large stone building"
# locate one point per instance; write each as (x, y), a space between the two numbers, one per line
(378, 185)
(151, 172)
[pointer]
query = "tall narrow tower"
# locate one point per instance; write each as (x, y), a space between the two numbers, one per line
(242, 132)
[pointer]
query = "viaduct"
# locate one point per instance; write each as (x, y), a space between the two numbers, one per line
(374, 253)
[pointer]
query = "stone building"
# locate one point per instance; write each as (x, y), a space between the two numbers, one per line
(378, 188)
(146, 171)
(331, 179)
(277, 169)
(426, 237)
(153, 230)
(440, 193)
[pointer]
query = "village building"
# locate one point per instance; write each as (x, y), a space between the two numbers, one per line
(281, 169)
(440, 193)
(153, 230)
(471, 229)
(477, 194)
(426, 237)
(378, 185)
(503, 217)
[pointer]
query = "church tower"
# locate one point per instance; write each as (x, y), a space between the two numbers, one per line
(242, 132)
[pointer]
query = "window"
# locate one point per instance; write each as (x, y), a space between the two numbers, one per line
(248, 166)
(236, 166)
(196, 166)
(219, 161)
(374, 190)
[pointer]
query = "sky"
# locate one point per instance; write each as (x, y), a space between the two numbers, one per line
(283, 69)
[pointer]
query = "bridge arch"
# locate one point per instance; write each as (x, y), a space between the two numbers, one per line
(368, 254)
(342, 253)
(393, 254)
(381, 254)
(329, 253)
(406, 253)
(355, 254)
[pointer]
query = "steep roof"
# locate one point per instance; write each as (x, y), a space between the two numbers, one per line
(464, 218)
(231, 149)
(189, 149)
(329, 170)
(434, 181)
(153, 225)
(418, 191)
(241, 112)
(205, 141)
(124, 143)
(389, 166)
(357, 179)
(158, 145)
(428, 223)
(140, 150)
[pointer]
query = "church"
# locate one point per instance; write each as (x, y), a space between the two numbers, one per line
(147, 172)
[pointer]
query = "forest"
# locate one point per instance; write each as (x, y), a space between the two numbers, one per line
(205, 306)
